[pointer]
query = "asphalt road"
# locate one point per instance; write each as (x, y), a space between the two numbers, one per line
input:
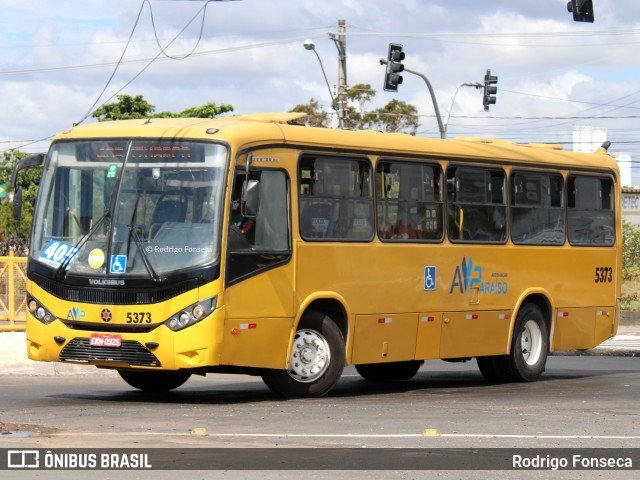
(581, 402)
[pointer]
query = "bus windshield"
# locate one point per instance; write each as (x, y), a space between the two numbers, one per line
(140, 208)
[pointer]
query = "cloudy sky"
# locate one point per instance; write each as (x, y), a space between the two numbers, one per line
(57, 57)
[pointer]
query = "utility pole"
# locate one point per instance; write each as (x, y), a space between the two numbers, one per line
(341, 45)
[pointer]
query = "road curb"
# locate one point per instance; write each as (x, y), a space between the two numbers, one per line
(598, 352)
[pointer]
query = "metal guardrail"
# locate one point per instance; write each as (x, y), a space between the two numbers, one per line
(13, 299)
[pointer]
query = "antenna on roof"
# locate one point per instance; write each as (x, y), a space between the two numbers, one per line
(604, 148)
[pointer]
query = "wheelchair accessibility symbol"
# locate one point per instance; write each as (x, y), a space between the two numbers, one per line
(118, 264)
(429, 279)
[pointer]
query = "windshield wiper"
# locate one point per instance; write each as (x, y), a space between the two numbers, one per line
(62, 268)
(133, 232)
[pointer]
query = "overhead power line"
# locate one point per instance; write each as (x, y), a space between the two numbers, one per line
(135, 25)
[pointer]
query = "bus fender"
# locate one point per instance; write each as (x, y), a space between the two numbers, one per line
(524, 297)
(306, 304)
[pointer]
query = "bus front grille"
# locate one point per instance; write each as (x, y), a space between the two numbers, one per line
(110, 296)
(130, 352)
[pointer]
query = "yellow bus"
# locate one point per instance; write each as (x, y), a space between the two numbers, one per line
(164, 248)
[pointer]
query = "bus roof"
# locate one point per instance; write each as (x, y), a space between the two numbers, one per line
(280, 128)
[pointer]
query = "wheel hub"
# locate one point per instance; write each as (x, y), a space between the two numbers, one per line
(309, 357)
(531, 342)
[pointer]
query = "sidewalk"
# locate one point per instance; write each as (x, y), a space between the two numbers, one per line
(14, 361)
(625, 344)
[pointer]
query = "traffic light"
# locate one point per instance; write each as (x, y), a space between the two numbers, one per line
(582, 10)
(392, 77)
(489, 90)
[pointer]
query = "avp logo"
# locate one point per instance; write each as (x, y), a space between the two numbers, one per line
(76, 314)
(466, 276)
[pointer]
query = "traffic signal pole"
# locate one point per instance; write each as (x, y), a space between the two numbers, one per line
(392, 78)
(443, 132)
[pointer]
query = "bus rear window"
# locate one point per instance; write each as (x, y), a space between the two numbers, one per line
(590, 210)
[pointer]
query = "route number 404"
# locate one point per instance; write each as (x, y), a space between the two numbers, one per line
(604, 274)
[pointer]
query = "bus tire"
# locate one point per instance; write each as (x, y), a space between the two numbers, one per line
(492, 368)
(529, 346)
(316, 363)
(154, 381)
(389, 372)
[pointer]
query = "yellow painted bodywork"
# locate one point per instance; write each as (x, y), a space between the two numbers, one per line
(380, 286)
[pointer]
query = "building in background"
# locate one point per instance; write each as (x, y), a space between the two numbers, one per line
(588, 139)
(629, 176)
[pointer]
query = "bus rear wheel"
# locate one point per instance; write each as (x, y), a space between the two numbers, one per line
(154, 381)
(529, 349)
(389, 372)
(316, 363)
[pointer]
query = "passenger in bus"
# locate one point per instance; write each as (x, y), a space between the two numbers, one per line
(245, 225)
(242, 229)
(400, 231)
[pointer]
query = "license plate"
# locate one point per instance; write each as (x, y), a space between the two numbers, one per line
(105, 340)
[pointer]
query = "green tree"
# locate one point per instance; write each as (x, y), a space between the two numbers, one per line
(316, 117)
(359, 97)
(208, 110)
(15, 233)
(395, 116)
(630, 267)
(128, 107)
(630, 251)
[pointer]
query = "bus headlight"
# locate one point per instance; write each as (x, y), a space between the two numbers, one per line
(192, 314)
(39, 311)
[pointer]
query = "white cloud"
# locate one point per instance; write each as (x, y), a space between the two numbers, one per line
(451, 42)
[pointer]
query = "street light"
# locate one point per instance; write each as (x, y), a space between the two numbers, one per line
(477, 85)
(309, 45)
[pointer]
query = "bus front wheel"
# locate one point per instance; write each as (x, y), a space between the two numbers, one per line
(154, 381)
(316, 362)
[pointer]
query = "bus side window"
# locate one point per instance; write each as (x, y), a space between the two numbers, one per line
(336, 201)
(590, 216)
(409, 201)
(476, 208)
(537, 216)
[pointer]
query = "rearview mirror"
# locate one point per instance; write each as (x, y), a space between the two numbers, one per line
(17, 203)
(34, 160)
(250, 198)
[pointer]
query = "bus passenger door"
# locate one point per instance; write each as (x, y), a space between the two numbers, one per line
(259, 274)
